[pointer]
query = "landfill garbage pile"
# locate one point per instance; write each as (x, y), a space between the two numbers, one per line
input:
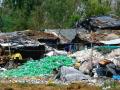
(87, 54)
(40, 67)
(86, 59)
(114, 53)
(86, 67)
(114, 56)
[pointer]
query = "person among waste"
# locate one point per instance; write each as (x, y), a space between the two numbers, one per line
(106, 68)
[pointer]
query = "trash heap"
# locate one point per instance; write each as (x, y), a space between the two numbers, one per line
(114, 56)
(40, 67)
(114, 53)
(87, 54)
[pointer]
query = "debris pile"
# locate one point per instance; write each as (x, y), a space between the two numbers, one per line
(88, 64)
(114, 56)
(87, 54)
(40, 67)
(114, 53)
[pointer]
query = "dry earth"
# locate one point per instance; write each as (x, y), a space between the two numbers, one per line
(47, 87)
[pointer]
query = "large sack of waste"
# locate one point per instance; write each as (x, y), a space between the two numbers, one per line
(71, 74)
(114, 56)
(88, 54)
(40, 67)
(86, 67)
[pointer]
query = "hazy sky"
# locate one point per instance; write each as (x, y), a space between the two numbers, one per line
(1, 2)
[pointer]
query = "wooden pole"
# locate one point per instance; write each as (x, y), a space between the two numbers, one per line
(91, 46)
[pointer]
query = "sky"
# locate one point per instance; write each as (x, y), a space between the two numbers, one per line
(1, 2)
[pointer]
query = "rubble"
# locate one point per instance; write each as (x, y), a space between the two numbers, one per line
(85, 61)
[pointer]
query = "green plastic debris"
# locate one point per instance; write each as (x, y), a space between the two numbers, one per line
(40, 67)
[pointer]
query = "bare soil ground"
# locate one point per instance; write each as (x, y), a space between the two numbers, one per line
(47, 87)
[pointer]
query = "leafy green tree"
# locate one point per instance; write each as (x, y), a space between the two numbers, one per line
(1, 21)
(60, 12)
(1, 24)
(24, 14)
(96, 7)
(41, 14)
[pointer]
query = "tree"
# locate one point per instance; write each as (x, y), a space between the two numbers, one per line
(41, 14)
(24, 14)
(1, 24)
(59, 12)
(96, 7)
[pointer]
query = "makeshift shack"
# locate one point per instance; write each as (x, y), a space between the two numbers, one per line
(26, 45)
(34, 52)
(86, 39)
(44, 37)
(96, 39)
(66, 36)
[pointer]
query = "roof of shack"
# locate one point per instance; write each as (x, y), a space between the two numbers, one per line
(65, 34)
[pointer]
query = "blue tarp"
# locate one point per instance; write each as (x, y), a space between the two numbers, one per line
(116, 77)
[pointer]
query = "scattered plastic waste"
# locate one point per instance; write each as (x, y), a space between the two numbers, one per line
(40, 67)
(116, 77)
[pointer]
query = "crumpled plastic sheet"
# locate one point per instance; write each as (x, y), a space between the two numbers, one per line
(114, 56)
(88, 54)
(72, 74)
(40, 67)
(114, 53)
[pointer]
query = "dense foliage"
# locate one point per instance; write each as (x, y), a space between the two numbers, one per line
(41, 14)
